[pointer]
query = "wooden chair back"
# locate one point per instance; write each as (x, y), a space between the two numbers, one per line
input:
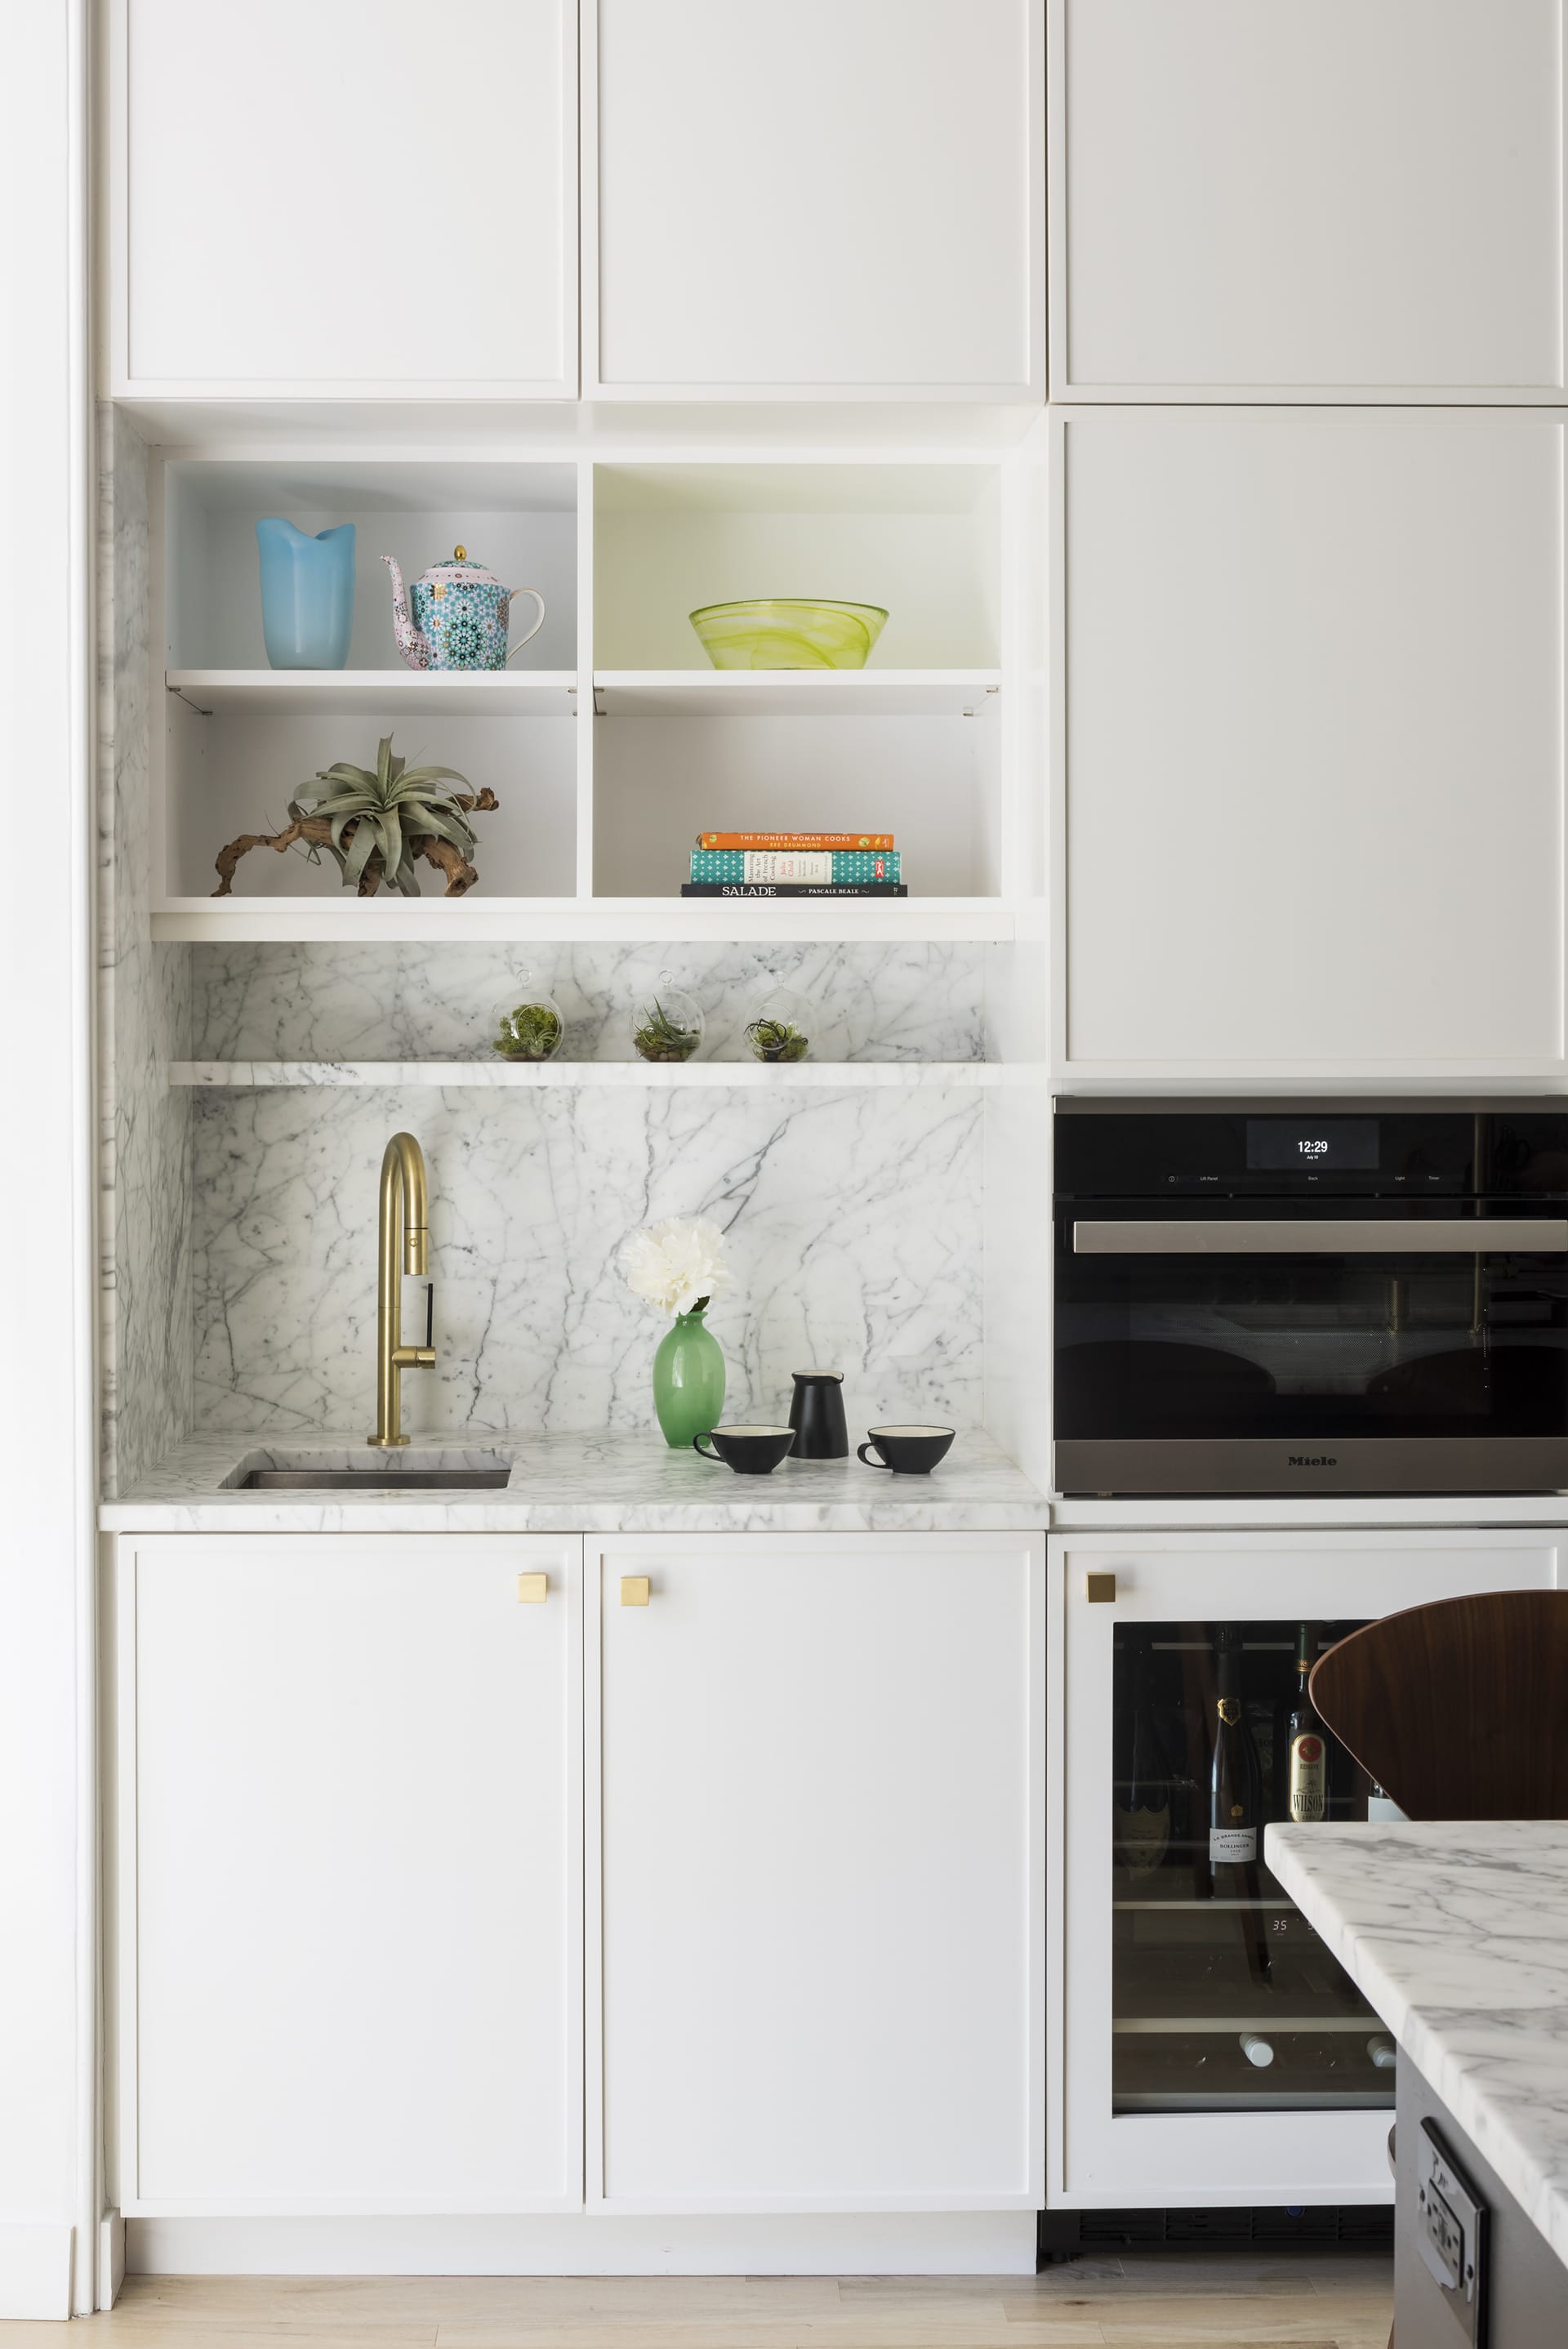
(1459, 1710)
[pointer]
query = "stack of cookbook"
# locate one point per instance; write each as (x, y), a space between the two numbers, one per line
(794, 865)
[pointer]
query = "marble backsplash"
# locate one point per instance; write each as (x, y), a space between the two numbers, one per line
(144, 1129)
(381, 1002)
(853, 1223)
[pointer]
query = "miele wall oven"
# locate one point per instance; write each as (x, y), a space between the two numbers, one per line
(1286, 1297)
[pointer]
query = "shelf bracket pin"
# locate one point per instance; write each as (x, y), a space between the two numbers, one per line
(185, 698)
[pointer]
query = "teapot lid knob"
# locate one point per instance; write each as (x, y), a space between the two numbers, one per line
(459, 554)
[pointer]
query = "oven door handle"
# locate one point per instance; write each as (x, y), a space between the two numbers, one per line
(1216, 1236)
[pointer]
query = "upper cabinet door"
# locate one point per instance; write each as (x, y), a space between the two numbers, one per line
(835, 200)
(368, 198)
(1313, 199)
(1307, 684)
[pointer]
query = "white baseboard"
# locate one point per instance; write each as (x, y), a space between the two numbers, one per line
(982, 2242)
(34, 2271)
(111, 2258)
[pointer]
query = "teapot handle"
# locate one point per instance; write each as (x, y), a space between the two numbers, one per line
(538, 623)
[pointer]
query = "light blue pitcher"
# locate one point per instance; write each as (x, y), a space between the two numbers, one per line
(308, 594)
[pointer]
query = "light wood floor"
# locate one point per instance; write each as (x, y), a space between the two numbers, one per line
(1133, 2302)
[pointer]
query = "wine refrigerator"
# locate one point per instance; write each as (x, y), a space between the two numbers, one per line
(1205, 2046)
(1222, 1997)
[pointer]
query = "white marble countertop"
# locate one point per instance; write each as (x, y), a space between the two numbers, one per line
(575, 1484)
(1458, 1933)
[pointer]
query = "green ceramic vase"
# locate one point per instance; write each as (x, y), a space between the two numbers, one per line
(689, 1379)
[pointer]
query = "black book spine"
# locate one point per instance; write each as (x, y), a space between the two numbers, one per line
(794, 889)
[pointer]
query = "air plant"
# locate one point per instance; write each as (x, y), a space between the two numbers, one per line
(661, 1035)
(777, 1040)
(386, 811)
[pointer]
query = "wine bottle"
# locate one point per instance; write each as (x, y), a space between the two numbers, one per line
(1306, 1740)
(1236, 1784)
(1141, 1814)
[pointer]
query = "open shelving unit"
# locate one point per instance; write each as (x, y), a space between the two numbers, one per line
(596, 819)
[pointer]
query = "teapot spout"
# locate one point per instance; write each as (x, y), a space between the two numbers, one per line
(414, 647)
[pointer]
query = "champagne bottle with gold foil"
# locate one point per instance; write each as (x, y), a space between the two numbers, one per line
(1236, 1784)
(1306, 1744)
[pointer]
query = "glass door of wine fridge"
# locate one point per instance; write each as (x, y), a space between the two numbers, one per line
(1222, 1997)
(1206, 2046)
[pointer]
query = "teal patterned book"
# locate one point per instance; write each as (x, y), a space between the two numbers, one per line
(795, 864)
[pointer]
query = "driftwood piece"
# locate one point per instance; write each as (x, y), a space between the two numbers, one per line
(315, 831)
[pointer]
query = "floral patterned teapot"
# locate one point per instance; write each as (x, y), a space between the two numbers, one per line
(460, 613)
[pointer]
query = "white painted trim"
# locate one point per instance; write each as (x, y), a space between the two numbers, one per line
(977, 2243)
(125, 2182)
(1253, 395)
(111, 2258)
(593, 1873)
(620, 1076)
(1055, 1780)
(36, 2271)
(586, 704)
(626, 920)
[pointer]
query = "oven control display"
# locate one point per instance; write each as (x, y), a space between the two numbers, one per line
(1342, 1145)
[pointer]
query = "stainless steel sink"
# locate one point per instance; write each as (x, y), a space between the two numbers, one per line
(373, 1480)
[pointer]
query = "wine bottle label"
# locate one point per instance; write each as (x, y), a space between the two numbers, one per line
(1230, 1708)
(1142, 1838)
(1227, 1845)
(1308, 1777)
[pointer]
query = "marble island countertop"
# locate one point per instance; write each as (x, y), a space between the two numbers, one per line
(1456, 1932)
(573, 1483)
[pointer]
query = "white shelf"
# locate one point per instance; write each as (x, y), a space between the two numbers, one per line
(793, 692)
(717, 921)
(376, 692)
(807, 1076)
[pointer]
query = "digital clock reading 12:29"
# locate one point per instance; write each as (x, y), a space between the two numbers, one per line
(1343, 1145)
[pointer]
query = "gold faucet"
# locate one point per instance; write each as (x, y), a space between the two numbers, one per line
(403, 1201)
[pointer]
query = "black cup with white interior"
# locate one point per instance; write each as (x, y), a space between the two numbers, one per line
(750, 1450)
(907, 1451)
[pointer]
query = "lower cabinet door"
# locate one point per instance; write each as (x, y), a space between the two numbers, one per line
(815, 1788)
(1204, 2046)
(349, 1939)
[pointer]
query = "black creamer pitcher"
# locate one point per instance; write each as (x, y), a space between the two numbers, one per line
(817, 1415)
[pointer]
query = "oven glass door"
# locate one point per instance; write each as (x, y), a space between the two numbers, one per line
(1189, 1327)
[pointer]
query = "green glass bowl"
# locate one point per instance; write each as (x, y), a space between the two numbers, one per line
(788, 632)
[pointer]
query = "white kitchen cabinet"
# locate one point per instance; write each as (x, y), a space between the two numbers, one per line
(1307, 763)
(1153, 1985)
(815, 1861)
(837, 203)
(350, 1867)
(367, 199)
(1352, 199)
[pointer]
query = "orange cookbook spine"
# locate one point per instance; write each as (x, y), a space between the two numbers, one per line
(841, 840)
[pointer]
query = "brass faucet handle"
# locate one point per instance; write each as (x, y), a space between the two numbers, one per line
(413, 1358)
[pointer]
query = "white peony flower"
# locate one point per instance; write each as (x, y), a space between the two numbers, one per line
(676, 1264)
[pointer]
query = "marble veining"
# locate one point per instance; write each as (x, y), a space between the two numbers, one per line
(379, 1002)
(144, 1129)
(854, 1224)
(1458, 1933)
(573, 1483)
